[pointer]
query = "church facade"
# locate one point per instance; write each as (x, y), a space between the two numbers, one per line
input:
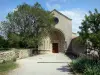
(61, 36)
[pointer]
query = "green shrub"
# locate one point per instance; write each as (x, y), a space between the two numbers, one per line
(13, 40)
(92, 70)
(3, 43)
(79, 64)
(86, 66)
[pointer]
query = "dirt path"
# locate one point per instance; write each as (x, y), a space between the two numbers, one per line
(47, 64)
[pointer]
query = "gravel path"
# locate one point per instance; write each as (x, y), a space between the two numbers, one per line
(46, 64)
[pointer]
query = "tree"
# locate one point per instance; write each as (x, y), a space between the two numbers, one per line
(3, 43)
(30, 23)
(14, 40)
(90, 30)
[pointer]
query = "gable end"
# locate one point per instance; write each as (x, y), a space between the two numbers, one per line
(61, 14)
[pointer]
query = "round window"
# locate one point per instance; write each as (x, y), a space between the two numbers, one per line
(56, 20)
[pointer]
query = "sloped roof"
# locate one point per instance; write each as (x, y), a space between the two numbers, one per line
(61, 14)
(74, 35)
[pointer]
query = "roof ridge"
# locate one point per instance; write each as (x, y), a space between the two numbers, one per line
(61, 14)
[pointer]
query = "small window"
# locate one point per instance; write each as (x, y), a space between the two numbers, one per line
(56, 20)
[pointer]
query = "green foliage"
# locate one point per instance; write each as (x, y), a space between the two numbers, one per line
(13, 40)
(90, 29)
(92, 70)
(79, 65)
(95, 39)
(26, 26)
(86, 66)
(3, 43)
(4, 49)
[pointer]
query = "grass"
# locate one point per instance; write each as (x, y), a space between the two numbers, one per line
(7, 66)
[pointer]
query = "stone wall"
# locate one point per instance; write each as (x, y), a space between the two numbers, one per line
(14, 53)
(23, 53)
(7, 55)
(76, 47)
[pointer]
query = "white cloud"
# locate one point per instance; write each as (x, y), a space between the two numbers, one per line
(55, 4)
(77, 15)
(15, 9)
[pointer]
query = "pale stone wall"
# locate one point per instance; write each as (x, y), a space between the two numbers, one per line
(14, 53)
(76, 47)
(23, 53)
(54, 38)
(64, 26)
(46, 45)
(7, 55)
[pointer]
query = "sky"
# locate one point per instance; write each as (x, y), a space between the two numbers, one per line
(74, 9)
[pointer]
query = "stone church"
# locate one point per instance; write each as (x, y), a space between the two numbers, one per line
(61, 37)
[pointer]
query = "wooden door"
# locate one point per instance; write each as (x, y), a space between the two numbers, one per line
(55, 47)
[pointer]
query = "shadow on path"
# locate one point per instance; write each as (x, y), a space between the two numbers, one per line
(65, 69)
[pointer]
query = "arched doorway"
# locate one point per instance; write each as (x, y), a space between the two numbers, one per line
(57, 40)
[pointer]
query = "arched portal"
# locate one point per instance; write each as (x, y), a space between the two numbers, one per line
(57, 40)
(54, 42)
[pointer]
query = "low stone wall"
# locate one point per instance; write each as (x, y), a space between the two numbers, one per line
(14, 53)
(44, 51)
(23, 53)
(7, 55)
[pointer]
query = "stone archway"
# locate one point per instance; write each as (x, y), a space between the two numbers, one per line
(57, 40)
(54, 40)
